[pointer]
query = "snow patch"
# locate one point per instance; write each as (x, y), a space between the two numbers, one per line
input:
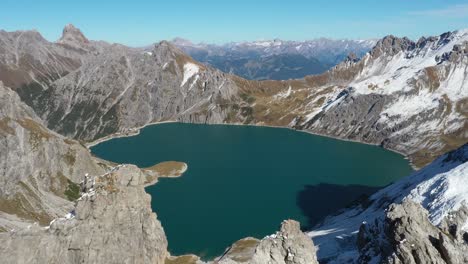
(411, 105)
(194, 82)
(443, 193)
(283, 95)
(190, 69)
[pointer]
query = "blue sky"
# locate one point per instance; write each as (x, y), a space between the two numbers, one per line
(140, 22)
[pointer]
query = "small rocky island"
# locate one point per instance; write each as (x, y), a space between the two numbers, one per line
(167, 169)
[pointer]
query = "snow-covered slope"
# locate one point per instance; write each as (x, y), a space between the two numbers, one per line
(441, 187)
(405, 95)
(406, 71)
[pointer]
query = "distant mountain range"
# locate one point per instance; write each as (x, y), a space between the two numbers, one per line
(275, 59)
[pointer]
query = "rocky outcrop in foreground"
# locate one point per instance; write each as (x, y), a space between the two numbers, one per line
(288, 246)
(406, 235)
(112, 222)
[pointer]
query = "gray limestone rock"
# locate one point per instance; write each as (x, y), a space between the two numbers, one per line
(407, 236)
(112, 222)
(288, 246)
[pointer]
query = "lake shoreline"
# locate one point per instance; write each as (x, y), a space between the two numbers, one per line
(130, 133)
(136, 131)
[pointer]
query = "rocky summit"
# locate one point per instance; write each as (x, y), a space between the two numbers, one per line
(59, 204)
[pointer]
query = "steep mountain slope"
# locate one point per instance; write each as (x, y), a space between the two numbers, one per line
(440, 188)
(277, 59)
(113, 88)
(39, 168)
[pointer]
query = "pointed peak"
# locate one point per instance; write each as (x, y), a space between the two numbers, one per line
(70, 26)
(72, 35)
(391, 45)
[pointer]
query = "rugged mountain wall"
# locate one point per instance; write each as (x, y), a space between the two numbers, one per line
(116, 88)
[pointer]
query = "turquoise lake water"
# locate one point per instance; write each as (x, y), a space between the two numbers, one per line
(244, 180)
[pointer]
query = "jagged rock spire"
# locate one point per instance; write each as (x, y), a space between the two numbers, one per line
(72, 35)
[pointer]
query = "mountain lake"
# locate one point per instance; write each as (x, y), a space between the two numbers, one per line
(245, 180)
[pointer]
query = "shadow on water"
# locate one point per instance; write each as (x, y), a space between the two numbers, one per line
(312, 205)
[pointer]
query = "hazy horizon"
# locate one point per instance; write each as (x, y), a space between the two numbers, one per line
(226, 42)
(144, 22)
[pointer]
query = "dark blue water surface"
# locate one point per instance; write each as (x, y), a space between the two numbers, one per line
(243, 180)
